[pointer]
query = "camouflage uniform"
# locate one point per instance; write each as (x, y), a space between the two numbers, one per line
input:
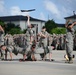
(2, 43)
(28, 35)
(44, 43)
(69, 42)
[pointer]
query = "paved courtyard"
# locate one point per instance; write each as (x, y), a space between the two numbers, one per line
(57, 67)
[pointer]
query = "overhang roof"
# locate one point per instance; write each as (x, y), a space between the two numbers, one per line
(18, 18)
(73, 16)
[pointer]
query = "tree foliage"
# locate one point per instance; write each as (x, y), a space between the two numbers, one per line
(15, 31)
(12, 29)
(1, 23)
(58, 31)
(24, 31)
(75, 31)
(50, 24)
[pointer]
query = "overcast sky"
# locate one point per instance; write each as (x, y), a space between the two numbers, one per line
(52, 9)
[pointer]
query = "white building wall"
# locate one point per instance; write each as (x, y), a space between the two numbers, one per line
(23, 24)
(71, 19)
(15, 22)
(39, 23)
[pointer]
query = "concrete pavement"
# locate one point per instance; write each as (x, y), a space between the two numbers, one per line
(57, 67)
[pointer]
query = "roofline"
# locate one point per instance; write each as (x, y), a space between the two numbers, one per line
(22, 19)
(73, 16)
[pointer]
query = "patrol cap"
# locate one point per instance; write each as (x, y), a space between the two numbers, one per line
(2, 46)
(32, 25)
(34, 45)
(43, 27)
(69, 24)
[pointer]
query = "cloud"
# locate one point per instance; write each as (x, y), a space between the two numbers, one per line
(69, 1)
(25, 13)
(42, 16)
(3, 11)
(1, 6)
(50, 6)
(15, 10)
(60, 8)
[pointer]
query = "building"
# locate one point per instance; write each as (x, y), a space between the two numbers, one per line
(73, 18)
(22, 21)
(60, 25)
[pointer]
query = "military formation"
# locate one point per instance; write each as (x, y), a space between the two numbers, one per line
(29, 44)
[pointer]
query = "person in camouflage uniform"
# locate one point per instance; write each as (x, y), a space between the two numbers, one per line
(1, 41)
(69, 39)
(43, 40)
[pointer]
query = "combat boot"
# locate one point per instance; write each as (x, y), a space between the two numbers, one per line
(70, 60)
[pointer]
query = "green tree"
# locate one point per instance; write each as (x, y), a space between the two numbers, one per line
(75, 31)
(50, 24)
(9, 26)
(12, 28)
(24, 31)
(58, 30)
(1, 23)
(15, 31)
